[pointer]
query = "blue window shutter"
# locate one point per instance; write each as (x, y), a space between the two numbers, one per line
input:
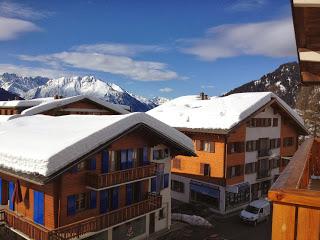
(71, 205)
(130, 158)
(11, 190)
(104, 197)
(92, 164)
(38, 207)
(1, 190)
(105, 161)
(145, 156)
(153, 184)
(93, 199)
(166, 180)
(129, 194)
(123, 159)
(115, 198)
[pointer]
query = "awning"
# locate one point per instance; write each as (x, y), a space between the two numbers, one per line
(205, 189)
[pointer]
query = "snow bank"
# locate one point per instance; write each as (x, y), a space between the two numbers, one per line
(191, 219)
(25, 103)
(45, 144)
(215, 113)
(5, 118)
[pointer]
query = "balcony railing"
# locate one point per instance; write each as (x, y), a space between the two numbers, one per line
(296, 200)
(80, 228)
(263, 173)
(103, 221)
(97, 180)
(264, 153)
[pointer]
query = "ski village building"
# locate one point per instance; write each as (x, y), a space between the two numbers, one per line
(57, 106)
(242, 141)
(87, 177)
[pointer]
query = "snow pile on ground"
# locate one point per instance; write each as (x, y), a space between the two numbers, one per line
(216, 112)
(45, 144)
(5, 118)
(191, 219)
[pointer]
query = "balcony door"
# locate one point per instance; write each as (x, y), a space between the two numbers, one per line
(104, 201)
(11, 190)
(105, 161)
(264, 144)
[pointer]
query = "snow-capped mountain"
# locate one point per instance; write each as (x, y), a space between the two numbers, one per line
(29, 88)
(283, 81)
(19, 85)
(5, 95)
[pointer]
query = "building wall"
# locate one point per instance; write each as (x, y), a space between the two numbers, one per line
(191, 165)
(9, 111)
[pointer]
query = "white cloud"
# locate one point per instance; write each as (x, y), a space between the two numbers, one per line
(246, 5)
(166, 90)
(118, 49)
(122, 65)
(33, 71)
(18, 10)
(270, 38)
(11, 28)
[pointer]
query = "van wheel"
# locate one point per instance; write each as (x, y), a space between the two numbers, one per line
(255, 223)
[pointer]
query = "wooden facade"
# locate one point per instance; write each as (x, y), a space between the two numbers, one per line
(306, 18)
(296, 196)
(94, 194)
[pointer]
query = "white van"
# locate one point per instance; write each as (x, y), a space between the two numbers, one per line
(255, 212)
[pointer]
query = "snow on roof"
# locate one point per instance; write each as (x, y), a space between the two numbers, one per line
(5, 118)
(45, 106)
(25, 103)
(217, 112)
(45, 144)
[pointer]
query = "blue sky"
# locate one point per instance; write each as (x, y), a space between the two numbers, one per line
(152, 48)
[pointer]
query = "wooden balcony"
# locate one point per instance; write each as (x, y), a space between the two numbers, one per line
(296, 196)
(97, 181)
(78, 229)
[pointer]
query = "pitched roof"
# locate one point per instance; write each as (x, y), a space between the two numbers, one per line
(25, 103)
(43, 145)
(217, 113)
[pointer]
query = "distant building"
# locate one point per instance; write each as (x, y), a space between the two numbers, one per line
(243, 141)
(87, 177)
(57, 106)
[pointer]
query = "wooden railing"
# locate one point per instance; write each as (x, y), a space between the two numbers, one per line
(103, 221)
(296, 206)
(96, 180)
(80, 228)
(23, 225)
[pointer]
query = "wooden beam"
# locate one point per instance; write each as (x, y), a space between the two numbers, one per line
(309, 55)
(309, 77)
(283, 222)
(306, 3)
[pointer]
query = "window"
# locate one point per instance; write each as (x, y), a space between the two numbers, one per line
(177, 186)
(176, 163)
(274, 163)
(206, 146)
(288, 141)
(235, 199)
(81, 166)
(251, 146)
(250, 168)
(275, 122)
(235, 147)
(205, 169)
(259, 122)
(160, 153)
(162, 213)
(81, 201)
(234, 171)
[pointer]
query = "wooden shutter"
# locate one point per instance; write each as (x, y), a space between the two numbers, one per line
(105, 161)
(198, 145)
(212, 147)
(71, 205)
(153, 184)
(129, 193)
(93, 199)
(166, 180)
(201, 168)
(104, 197)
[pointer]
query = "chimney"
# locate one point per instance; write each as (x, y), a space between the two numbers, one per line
(202, 96)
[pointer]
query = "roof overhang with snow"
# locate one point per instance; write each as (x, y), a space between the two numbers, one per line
(220, 115)
(57, 103)
(306, 19)
(30, 154)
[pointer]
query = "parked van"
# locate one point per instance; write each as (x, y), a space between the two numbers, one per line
(256, 211)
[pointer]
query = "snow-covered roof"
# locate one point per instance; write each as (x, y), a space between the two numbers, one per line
(45, 106)
(217, 112)
(25, 103)
(46, 144)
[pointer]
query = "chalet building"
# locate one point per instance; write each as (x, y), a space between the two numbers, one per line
(87, 177)
(57, 106)
(306, 19)
(243, 141)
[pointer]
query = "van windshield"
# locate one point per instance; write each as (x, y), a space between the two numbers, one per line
(252, 209)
